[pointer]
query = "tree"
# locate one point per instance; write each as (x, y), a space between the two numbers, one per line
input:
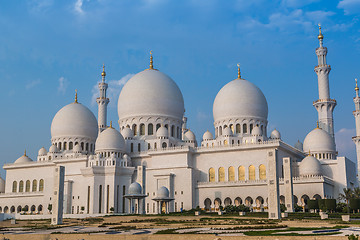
(348, 193)
(50, 207)
(356, 192)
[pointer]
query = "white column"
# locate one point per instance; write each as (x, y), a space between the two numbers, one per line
(58, 195)
(288, 184)
(273, 185)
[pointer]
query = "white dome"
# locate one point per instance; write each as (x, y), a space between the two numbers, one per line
(310, 166)
(318, 140)
(207, 136)
(256, 131)
(162, 132)
(74, 120)
(77, 148)
(135, 189)
(189, 136)
(23, 159)
(240, 99)
(110, 140)
(227, 132)
(299, 145)
(127, 133)
(162, 192)
(53, 149)
(150, 93)
(126, 157)
(275, 134)
(42, 152)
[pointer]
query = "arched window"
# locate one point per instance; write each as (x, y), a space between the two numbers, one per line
(237, 128)
(21, 186)
(131, 147)
(34, 185)
(232, 128)
(87, 146)
(262, 172)
(142, 129)
(70, 145)
(166, 126)
(150, 129)
(178, 132)
(241, 173)
(65, 146)
(221, 174)
(244, 128)
(82, 146)
(251, 127)
(14, 187)
(211, 175)
(27, 187)
(225, 142)
(231, 174)
(173, 131)
(41, 185)
(149, 146)
(158, 126)
(220, 131)
(251, 172)
(164, 145)
(139, 147)
(134, 128)
(59, 145)
(154, 145)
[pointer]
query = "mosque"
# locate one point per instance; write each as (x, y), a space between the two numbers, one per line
(154, 163)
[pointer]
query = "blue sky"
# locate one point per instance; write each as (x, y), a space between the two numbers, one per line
(50, 48)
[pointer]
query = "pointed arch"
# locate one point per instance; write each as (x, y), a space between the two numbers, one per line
(231, 174)
(221, 174)
(241, 173)
(211, 175)
(262, 172)
(251, 172)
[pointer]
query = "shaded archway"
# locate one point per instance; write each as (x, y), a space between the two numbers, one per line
(18, 209)
(12, 209)
(217, 203)
(259, 201)
(227, 201)
(317, 197)
(282, 199)
(238, 201)
(248, 201)
(207, 204)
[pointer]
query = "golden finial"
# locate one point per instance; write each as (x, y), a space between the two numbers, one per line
(317, 124)
(103, 72)
(151, 61)
(356, 86)
(320, 36)
(25, 152)
(76, 101)
(309, 153)
(239, 74)
(111, 124)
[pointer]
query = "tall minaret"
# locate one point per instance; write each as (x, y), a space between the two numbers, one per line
(356, 139)
(102, 102)
(324, 105)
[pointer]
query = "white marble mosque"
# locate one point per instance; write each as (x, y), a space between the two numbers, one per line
(154, 163)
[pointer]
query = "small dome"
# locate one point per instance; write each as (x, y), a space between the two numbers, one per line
(74, 120)
(77, 148)
(256, 131)
(299, 145)
(42, 152)
(110, 140)
(135, 189)
(126, 157)
(162, 132)
(319, 140)
(227, 132)
(189, 136)
(127, 133)
(23, 159)
(207, 136)
(162, 192)
(150, 93)
(53, 149)
(240, 99)
(310, 166)
(275, 134)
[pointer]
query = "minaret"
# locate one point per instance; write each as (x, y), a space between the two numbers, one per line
(324, 105)
(356, 139)
(102, 102)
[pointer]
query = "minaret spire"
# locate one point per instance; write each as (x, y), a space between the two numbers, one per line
(239, 73)
(151, 61)
(324, 105)
(356, 114)
(76, 99)
(102, 102)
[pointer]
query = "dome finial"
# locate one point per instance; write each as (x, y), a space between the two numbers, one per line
(25, 152)
(76, 100)
(111, 124)
(356, 86)
(317, 124)
(239, 73)
(151, 61)
(103, 74)
(320, 36)
(309, 154)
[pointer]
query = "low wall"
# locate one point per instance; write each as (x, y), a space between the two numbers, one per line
(48, 216)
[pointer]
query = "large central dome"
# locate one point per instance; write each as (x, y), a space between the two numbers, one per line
(150, 93)
(240, 99)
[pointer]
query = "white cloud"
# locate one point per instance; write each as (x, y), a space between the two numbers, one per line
(319, 16)
(63, 84)
(344, 143)
(113, 91)
(78, 7)
(32, 84)
(349, 6)
(36, 6)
